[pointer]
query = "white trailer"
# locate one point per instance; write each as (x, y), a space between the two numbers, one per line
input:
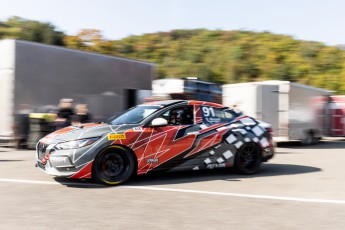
(189, 88)
(289, 107)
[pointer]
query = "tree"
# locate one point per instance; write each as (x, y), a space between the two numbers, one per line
(19, 28)
(90, 40)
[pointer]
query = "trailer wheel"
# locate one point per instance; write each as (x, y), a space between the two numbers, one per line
(309, 138)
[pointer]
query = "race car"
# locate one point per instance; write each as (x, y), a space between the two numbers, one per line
(169, 135)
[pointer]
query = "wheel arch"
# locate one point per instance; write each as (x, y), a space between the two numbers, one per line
(123, 147)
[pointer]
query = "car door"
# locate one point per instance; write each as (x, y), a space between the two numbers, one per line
(210, 128)
(163, 147)
(207, 150)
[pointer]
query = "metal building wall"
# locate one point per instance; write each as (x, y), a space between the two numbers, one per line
(44, 74)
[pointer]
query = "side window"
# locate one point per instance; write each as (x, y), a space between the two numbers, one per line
(182, 115)
(213, 115)
(229, 115)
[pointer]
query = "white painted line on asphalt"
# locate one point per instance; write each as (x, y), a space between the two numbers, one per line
(28, 181)
(282, 198)
(43, 182)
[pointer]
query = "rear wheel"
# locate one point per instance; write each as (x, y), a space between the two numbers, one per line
(248, 159)
(308, 139)
(113, 166)
(311, 137)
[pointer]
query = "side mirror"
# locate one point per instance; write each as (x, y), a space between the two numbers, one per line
(159, 122)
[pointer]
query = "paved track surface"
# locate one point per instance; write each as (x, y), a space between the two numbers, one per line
(303, 187)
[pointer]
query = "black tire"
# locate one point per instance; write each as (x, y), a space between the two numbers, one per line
(308, 139)
(248, 159)
(113, 166)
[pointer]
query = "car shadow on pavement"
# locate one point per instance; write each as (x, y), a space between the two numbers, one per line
(78, 183)
(267, 170)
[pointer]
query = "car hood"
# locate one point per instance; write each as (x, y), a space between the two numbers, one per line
(84, 131)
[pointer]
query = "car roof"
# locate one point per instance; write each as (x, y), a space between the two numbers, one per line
(163, 103)
(207, 103)
(189, 102)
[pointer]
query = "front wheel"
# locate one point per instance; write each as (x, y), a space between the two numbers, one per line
(248, 159)
(113, 166)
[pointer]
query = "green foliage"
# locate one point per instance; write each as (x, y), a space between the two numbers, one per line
(238, 56)
(213, 55)
(19, 28)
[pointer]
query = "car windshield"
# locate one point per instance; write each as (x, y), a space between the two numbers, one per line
(135, 115)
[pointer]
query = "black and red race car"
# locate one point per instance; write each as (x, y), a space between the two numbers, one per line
(160, 136)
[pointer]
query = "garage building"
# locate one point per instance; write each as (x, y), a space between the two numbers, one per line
(33, 75)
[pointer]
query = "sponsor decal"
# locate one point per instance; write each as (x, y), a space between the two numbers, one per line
(210, 115)
(112, 137)
(213, 166)
(138, 129)
(58, 160)
(152, 160)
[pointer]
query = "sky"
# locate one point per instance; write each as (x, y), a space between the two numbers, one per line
(318, 20)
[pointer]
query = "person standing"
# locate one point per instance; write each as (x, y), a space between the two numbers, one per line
(65, 113)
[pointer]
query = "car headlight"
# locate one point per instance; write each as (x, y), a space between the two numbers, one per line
(76, 143)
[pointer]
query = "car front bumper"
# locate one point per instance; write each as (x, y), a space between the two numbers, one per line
(62, 163)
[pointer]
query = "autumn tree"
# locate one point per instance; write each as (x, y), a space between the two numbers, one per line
(90, 40)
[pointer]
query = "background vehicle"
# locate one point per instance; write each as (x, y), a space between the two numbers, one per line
(289, 107)
(159, 136)
(331, 114)
(186, 89)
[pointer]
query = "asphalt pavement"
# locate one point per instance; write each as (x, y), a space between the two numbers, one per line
(302, 187)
